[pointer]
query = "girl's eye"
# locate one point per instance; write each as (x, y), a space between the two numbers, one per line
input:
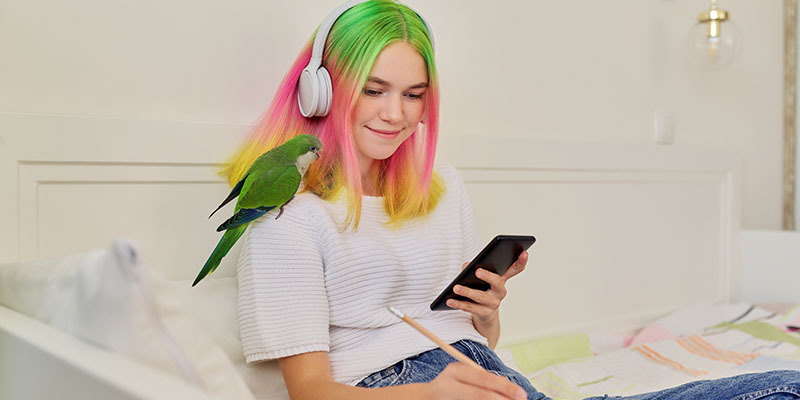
(372, 92)
(414, 96)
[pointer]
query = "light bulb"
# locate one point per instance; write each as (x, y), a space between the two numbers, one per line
(714, 39)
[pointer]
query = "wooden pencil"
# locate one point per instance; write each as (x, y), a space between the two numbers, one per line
(439, 342)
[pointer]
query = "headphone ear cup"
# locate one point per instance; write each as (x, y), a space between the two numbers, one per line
(308, 89)
(325, 92)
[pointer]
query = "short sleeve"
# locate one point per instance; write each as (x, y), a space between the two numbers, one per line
(283, 304)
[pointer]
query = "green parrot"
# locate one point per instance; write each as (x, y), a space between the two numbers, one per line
(271, 181)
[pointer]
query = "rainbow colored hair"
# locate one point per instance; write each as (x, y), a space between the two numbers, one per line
(406, 179)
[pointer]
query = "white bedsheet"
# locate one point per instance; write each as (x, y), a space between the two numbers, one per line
(699, 342)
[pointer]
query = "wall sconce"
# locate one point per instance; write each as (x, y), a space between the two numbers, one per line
(713, 45)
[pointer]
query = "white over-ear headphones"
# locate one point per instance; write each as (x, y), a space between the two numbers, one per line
(314, 85)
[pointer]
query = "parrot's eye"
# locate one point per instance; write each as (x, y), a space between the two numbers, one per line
(313, 148)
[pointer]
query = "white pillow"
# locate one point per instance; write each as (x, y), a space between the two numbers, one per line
(110, 298)
(214, 303)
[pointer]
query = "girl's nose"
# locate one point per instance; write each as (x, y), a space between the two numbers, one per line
(392, 110)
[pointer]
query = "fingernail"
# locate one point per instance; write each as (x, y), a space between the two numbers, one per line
(521, 394)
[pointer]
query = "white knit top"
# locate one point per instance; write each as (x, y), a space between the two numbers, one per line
(306, 285)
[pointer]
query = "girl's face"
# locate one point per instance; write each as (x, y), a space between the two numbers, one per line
(392, 104)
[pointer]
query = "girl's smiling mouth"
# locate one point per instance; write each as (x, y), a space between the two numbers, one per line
(390, 134)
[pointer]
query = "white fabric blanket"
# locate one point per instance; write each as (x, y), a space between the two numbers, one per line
(700, 342)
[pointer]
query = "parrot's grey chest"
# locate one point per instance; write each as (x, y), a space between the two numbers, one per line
(304, 161)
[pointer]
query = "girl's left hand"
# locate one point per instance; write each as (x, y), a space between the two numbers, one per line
(486, 303)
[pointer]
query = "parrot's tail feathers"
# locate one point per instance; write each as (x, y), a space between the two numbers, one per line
(223, 247)
(243, 216)
(235, 192)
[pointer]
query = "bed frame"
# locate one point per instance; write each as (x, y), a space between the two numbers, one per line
(625, 233)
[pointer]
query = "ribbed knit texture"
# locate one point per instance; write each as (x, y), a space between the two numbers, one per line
(306, 285)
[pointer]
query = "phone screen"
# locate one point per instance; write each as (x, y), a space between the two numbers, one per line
(496, 257)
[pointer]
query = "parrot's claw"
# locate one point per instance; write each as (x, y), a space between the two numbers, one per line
(283, 205)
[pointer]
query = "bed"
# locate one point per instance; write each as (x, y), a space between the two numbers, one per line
(627, 236)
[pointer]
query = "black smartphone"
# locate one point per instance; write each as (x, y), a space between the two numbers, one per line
(497, 256)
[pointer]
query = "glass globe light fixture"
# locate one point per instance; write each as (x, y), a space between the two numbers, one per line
(713, 45)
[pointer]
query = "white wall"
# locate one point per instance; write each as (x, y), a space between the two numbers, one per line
(577, 71)
(770, 266)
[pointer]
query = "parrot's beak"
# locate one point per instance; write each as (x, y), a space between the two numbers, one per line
(319, 154)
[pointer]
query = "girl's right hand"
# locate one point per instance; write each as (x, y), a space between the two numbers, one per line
(460, 381)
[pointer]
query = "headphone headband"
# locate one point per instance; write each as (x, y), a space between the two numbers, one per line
(325, 28)
(314, 85)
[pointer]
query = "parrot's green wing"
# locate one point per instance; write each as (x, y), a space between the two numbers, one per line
(235, 192)
(271, 181)
(270, 188)
(243, 216)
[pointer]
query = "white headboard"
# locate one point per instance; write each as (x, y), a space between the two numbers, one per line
(624, 233)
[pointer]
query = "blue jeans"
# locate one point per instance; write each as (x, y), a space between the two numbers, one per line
(774, 385)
